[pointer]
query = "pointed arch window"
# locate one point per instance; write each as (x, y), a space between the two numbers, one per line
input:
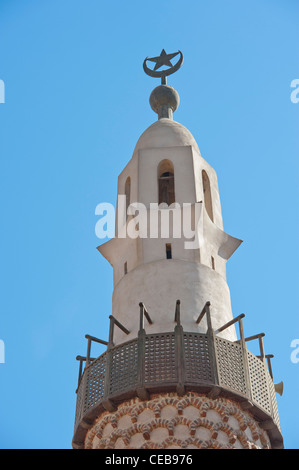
(166, 182)
(128, 194)
(207, 194)
(168, 251)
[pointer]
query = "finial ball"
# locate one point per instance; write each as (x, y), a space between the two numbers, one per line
(164, 96)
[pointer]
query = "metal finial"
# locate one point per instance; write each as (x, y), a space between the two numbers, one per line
(163, 59)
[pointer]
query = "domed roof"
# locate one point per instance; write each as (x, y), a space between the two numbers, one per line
(165, 133)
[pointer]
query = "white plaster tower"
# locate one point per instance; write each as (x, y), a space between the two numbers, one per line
(176, 372)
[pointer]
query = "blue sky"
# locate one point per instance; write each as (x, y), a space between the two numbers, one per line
(76, 101)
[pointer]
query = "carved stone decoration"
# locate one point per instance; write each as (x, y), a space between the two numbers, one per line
(168, 421)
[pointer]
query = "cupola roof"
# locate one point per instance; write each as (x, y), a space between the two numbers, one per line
(166, 133)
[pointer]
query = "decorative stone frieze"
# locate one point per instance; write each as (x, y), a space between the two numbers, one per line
(168, 421)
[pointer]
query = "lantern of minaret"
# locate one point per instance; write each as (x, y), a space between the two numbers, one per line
(177, 372)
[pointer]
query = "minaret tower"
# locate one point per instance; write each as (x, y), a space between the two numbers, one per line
(177, 372)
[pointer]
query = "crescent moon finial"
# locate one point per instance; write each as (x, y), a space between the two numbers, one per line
(163, 59)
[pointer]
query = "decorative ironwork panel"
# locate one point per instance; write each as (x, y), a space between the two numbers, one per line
(197, 358)
(94, 381)
(258, 381)
(123, 373)
(230, 363)
(159, 358)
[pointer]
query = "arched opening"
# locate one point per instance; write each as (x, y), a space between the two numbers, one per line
(166, 182)
(207, 194)
(213, 262)
(168, 251)
(128, 194)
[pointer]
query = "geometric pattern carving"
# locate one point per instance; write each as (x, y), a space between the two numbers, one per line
(123, 367)
(159, 358)
(91, 387)
(95, 381)
(197, 358)
(259, 383)
(230, 365)
(168, 421)
(273, 400)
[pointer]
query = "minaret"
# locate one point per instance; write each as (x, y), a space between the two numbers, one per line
(177, 372)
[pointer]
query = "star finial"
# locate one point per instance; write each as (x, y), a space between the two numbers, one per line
(163, 59)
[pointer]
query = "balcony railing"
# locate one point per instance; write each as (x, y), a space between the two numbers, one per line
(177, 361)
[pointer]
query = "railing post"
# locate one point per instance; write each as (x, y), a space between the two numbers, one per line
(79, 358)
(107, 403)
(211, 336)
(268, 357)
(141, 391)
(179, 350)
(88, 352)
(141, 317)
(111, 333)
(263, 359)
(213, 352)
(203, 313)
(89, 341)
(262, 350)
(245, 359)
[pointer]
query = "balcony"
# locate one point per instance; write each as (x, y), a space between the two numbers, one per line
(180, 362)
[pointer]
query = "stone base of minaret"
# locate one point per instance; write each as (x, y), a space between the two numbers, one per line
(168, 421)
